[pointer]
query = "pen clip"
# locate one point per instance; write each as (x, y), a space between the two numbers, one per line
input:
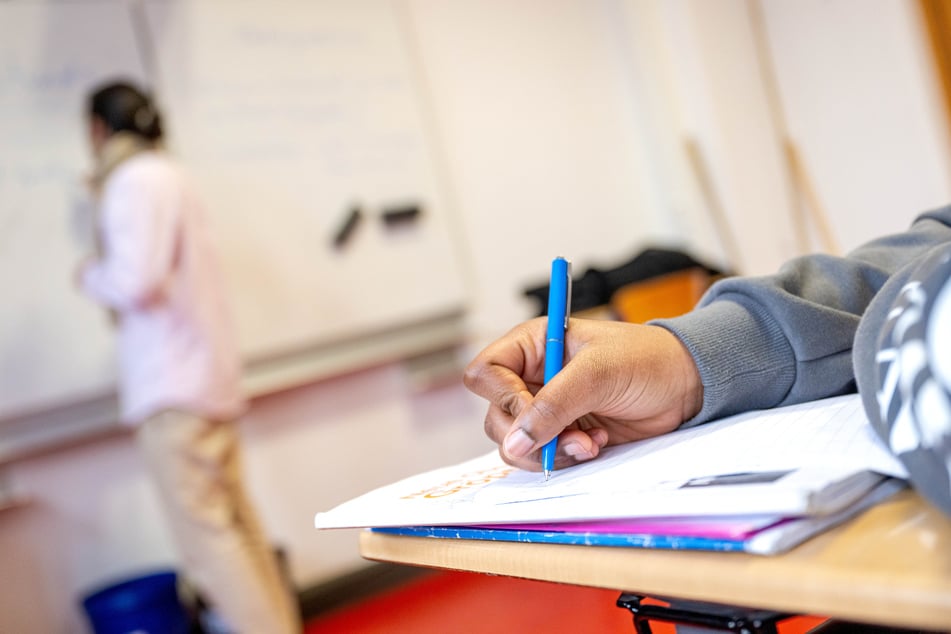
(568, 294)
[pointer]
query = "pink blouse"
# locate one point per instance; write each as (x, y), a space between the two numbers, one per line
(158, 273)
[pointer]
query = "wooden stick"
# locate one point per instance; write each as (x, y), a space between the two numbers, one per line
(720, 220)
(805, 186)
(778, 115)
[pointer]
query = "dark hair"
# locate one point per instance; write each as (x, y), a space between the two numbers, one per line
(125, 108)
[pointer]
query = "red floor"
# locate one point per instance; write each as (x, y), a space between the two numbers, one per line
(467, 603)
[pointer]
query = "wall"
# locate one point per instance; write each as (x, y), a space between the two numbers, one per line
(855, 91)
(562, 127)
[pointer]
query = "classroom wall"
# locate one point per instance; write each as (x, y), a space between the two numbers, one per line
(561, 126)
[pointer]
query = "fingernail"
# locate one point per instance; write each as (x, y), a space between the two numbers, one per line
(575, 450)
(518, 444)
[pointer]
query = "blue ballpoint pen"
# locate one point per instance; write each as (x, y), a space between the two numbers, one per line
(559, 300)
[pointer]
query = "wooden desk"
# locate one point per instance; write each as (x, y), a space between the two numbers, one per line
(890, 566)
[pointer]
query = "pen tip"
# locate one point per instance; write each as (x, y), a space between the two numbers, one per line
(547, 474)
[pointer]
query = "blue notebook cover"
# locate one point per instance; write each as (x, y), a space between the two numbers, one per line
(672, 542)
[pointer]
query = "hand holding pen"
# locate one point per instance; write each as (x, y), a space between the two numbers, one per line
(620, 382)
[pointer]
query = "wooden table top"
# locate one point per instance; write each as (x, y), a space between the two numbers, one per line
(891, 566)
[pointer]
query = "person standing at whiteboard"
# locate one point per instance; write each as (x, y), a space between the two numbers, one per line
(179, 369)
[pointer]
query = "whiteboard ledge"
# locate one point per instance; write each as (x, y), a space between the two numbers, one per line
(326, 360)
(46, 430)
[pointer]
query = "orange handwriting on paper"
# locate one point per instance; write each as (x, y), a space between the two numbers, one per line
(463, 482)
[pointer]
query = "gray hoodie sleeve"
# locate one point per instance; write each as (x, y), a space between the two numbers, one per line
(761, 342)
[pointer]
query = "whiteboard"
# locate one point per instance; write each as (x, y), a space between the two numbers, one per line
(287, 115)
(54, 344)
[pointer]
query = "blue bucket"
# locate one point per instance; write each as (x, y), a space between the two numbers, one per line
(145, 605)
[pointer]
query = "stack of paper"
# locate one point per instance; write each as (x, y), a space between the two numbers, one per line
(759, 482)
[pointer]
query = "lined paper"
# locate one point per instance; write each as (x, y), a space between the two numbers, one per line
(830, 453)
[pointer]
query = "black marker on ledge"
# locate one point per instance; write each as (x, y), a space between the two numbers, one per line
(402, 216)
(348, 227)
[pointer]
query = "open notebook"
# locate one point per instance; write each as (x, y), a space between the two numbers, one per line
(813, 460)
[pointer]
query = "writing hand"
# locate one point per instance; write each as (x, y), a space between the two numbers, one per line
(620, 382)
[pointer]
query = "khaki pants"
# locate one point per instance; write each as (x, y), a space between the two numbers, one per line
(197, 466)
